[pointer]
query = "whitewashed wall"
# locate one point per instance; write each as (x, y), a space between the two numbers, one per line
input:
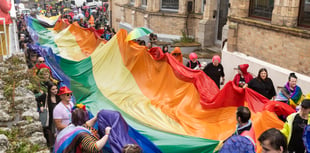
(278, 74)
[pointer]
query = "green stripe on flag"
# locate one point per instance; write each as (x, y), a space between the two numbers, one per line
(85, 91)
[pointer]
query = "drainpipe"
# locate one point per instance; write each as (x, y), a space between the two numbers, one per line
(110, 10)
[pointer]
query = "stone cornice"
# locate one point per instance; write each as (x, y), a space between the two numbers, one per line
(160, 13)
(298, 32)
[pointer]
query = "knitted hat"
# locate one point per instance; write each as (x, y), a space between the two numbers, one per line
(216, 57)
(193, 56)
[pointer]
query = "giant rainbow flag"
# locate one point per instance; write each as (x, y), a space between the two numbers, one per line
(176, 108)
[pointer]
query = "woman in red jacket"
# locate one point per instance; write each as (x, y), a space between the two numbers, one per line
(243, 77)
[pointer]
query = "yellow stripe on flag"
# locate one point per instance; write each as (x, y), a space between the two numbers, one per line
(116, 83)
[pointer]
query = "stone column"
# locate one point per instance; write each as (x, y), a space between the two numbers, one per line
(122, 14)
(153, 6)
(146, 20)
(206, 27)
(232, 36)
(239, 8)
(182, 6)
(124, 1)
(285, 13)
(133, 17)
(198, 6)
(138, 3)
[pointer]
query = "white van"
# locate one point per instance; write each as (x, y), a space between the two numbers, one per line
(24, 11)
(89, 3)
(75, 3)
(93, 3)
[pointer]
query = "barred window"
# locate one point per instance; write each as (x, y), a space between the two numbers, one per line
(144, 2)
(261, 8)
(304, 13)
(170, 4)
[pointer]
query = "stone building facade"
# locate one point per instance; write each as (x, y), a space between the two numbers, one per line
(274, 34)
(281, 38)
(168, 18)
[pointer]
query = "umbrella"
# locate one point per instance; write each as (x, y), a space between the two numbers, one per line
(138, 32)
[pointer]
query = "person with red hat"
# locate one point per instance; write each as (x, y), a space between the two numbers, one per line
(215, 70)
(62, 111)
(243, 77)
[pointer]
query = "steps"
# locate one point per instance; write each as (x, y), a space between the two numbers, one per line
(215, 49)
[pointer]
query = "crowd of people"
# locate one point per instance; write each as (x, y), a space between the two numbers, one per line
(287, 140)
(64, 115)
(57, 111)
(290, 139)
(290, 93)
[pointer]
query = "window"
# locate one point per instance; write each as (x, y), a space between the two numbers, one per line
(170, 4)
(144, 2)
(261, 8)
(132, 1)
(304, 13)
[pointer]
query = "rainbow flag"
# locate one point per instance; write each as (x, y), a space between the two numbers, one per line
(47, 22)
(176, 108)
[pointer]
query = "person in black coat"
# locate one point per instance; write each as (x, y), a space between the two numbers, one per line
(215, 71)
(263, 84)
(52, 99)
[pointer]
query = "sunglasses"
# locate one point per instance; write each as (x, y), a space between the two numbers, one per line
(41, 61)
(69, 94)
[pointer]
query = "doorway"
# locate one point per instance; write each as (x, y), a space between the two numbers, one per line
(221, 18)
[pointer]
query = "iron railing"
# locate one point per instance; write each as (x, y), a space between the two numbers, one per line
(170, 4)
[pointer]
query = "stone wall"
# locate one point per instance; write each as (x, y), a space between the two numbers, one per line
(283, 46)
(127, 17)
(285, 12)
(278, 48)
(173, 23)
(19, 116)
(139, 16)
